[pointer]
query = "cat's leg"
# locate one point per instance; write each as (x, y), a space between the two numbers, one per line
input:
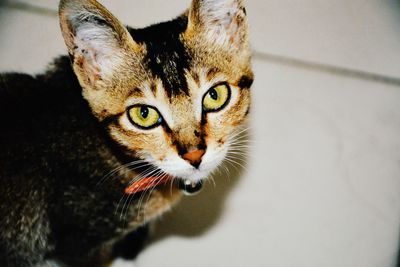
(123, 251)
(130, 245)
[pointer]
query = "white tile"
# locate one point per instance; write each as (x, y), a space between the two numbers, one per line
(322, 186)
(47, 4)
(357, 34)
(28, 41)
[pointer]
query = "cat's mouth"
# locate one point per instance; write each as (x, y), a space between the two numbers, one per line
(187, 186)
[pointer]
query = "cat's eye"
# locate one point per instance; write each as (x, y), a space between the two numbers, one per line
(216, 98)
(144, 117)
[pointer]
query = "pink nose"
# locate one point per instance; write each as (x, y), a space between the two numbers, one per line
(194, 157)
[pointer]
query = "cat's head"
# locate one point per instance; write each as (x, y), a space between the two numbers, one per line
(172, 94)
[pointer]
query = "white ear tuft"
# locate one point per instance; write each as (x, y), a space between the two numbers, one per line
(223, 21)
(96, 40)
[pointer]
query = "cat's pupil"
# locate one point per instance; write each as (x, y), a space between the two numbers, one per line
(144, 112)
(213, 94)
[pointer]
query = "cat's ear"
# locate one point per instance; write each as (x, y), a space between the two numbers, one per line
(97, 42)
(222, 22)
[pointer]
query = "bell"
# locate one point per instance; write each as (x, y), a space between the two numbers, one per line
(189, 187)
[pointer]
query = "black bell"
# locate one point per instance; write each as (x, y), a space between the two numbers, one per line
(189, 187)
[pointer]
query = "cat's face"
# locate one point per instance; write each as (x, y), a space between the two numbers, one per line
(172, 94)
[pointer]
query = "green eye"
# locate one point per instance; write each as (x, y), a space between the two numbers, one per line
(216, 98)
(144, 117)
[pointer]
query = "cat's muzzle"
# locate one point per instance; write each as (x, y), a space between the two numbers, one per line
(189, 187)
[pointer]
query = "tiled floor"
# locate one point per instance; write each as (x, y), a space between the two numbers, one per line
(322, 183)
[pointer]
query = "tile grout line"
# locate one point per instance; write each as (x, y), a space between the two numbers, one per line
(331, 69)
(283, 60)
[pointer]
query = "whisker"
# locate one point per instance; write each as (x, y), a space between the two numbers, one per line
(227, 171)
(212, 180)
(127, 196)
(237, 157)
(154, 172)
(139, 205)
(239, 149)
(151, 188)
(239, 153)
(124, 211)
(235, 162)
(240, 131)
(117, 169)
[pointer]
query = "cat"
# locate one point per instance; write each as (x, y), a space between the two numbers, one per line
(111, 136)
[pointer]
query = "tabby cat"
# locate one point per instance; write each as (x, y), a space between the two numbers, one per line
(108, 138)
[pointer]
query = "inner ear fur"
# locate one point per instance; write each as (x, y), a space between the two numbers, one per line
(97, 42)
(220, 22)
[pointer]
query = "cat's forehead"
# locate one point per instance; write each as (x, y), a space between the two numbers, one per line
(170, 58)
(166, 56)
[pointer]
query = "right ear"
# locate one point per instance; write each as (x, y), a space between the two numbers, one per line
(220, 22)
(97, 42)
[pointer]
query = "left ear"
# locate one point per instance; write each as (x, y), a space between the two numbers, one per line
(98, 43)
(221, 22)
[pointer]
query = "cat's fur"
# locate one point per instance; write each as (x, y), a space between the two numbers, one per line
(57, 147)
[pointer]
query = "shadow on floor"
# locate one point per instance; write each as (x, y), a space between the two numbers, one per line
(398, 257)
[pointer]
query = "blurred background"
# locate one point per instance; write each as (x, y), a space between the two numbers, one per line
(321, 183)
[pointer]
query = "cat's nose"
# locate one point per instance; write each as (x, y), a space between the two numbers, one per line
(194, 157)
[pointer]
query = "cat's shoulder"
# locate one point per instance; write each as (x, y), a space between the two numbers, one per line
(21, 89)
(13, 85)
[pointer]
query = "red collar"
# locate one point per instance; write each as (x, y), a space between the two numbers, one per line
(146, 183)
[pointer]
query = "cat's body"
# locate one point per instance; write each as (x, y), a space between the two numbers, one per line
(58, 198)
(53, 199)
